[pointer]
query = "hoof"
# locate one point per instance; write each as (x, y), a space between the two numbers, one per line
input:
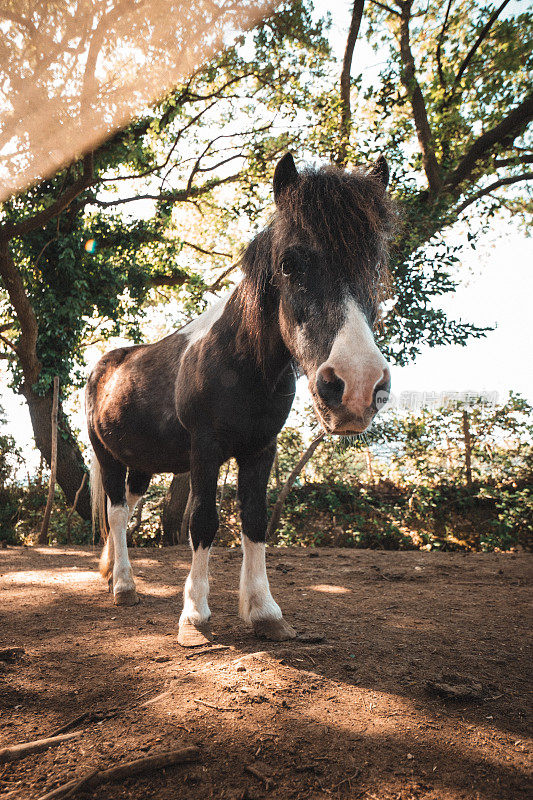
(276, 630)
(128, 597)
(192, 634)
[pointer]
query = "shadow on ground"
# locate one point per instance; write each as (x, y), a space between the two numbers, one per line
(347, 716)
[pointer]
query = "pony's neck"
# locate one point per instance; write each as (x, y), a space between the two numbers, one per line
(259, 336)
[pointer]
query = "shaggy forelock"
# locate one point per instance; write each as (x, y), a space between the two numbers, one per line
(347, 216)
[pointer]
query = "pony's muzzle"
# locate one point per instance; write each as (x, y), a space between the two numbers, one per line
(352, 399)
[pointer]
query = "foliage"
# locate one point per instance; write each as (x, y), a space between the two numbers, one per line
(402, 488)
(450, 110)
(90, 272)
(21, 513)
(10, 454)
(200, 166)
(404, 485)
(428, 446)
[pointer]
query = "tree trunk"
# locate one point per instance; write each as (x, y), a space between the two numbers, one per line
(468, 449)
(73, 508)
(43, 536)
(369, 466)
(70, 463)
(174, 508)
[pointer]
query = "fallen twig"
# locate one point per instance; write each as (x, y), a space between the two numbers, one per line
(210, 649)
(344, 780)
(257, 773)
(17, 751)
(157, 697)
(88, 716)
(124, 771)
(68, 789)
(217, 708)
(72, 724)
(454, 688)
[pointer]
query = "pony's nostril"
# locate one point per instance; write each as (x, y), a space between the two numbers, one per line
(330, 387)
(381, 390)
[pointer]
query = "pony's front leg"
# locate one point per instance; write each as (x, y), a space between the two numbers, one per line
(194, 625)
(256, 604)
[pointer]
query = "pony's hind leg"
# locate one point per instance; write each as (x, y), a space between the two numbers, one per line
(256, 604)
(119, 515)
(116, 548)
(136, 485)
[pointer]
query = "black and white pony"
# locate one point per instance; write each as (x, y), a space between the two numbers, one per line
(223, 385)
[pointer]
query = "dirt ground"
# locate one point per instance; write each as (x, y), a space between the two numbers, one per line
(349, 716)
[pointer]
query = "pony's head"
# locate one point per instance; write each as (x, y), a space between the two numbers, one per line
(329, 254)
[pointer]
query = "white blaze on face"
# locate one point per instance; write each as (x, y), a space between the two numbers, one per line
(356, 360)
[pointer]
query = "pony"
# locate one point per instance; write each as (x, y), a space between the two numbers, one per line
(222, 386)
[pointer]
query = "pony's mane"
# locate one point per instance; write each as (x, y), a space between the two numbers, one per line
(348, 215)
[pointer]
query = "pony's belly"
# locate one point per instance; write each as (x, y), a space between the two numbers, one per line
(148, 450)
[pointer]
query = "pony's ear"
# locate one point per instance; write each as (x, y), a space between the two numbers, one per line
(285, 175)
(380, 170)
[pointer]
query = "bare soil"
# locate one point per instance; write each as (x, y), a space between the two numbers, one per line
(362, 713)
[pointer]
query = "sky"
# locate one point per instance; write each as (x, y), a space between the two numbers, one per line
(496, 289)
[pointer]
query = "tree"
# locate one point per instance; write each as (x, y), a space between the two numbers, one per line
(450, 110)
(76, 267)
(74, 72)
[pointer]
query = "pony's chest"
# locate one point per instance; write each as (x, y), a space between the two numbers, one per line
(252, 418)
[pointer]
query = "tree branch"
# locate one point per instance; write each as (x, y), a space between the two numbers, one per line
(206, 252)
(9, 343)
(180, 195)
(385, 7)
(504, 133)
(221, 163)
(287, 486)
(159, 167)
(525, 176)
(439, 43)
(89, 86)
(215, 286)
(345, 81)
(10, 229)
(26, 348)
(160, 279)
(18, 19)
(408, 77)
(493, 17)
(510, 162)
(219, 92)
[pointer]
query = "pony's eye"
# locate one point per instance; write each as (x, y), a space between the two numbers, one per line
(290, 265)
